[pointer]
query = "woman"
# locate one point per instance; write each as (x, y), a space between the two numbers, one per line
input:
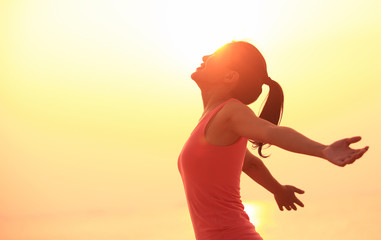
(215, 154)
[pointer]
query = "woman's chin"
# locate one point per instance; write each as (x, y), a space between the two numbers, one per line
(194, 76)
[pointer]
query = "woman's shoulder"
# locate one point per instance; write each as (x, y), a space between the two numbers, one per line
(235, 108)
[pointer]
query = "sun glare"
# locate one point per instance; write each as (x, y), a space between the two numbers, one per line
(255, 212)
(197, 28)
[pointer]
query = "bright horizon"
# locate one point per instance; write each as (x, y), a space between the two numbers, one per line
(96, 102)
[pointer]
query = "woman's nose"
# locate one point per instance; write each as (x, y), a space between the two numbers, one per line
(204, 58)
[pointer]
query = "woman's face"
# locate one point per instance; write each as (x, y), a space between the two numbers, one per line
(213, 68)
(238, 59)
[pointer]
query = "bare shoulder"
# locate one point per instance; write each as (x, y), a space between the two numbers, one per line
(236, 109)
(242, 121)
(231, 110)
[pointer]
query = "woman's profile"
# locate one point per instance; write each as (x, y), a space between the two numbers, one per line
(214, 156)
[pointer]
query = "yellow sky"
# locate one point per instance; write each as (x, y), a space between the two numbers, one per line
(96, 102)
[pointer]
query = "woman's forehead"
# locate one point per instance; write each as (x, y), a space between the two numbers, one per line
(225, 48)
(240, 55)
(231, 51)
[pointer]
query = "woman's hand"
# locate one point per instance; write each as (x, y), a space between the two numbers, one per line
(340, 154)
(285, 197)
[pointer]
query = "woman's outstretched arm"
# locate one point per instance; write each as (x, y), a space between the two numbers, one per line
(284, 194)
(243, 122)
(256, 170)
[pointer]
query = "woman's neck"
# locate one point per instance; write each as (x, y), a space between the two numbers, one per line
(212, 99)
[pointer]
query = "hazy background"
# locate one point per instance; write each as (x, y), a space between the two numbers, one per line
(96, 102)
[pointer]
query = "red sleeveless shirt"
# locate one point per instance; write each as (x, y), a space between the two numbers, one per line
(211, 178)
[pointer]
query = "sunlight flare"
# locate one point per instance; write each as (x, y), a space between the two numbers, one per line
(198, 28)
(255, 211)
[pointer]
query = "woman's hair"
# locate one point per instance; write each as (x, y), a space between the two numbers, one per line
(273, 109)
(251, 66)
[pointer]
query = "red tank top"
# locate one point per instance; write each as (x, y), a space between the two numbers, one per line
(211, 178)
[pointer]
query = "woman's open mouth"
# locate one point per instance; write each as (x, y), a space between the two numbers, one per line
(201, 66)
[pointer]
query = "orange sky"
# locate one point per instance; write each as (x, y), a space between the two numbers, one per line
(96, 102)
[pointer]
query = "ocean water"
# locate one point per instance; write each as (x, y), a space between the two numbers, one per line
(329, 218)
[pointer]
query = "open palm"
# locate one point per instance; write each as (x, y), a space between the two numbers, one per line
(340, 154)
(286, 197)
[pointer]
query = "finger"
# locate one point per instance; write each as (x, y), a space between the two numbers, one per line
(287, 207)
(297, 201)
(293, 206)
(297, 190)
(358, 154)
(280, 207)
(353, 140)
(365, 149)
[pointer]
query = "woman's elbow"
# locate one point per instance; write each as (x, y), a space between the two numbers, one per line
(251, 162)
(271, 134)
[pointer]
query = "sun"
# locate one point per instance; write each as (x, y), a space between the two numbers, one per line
(253, 211)
(256, 212)
(196, 28)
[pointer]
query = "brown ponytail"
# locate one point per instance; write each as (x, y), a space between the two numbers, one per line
(246, 59)
(273, 108)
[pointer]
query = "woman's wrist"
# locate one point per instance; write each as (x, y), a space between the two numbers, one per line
(321, 153)
(277, 189)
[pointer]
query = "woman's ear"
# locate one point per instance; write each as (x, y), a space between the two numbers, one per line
(231, 77)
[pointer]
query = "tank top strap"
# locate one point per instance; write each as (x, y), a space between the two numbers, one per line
(213, 112)
(210, 114)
